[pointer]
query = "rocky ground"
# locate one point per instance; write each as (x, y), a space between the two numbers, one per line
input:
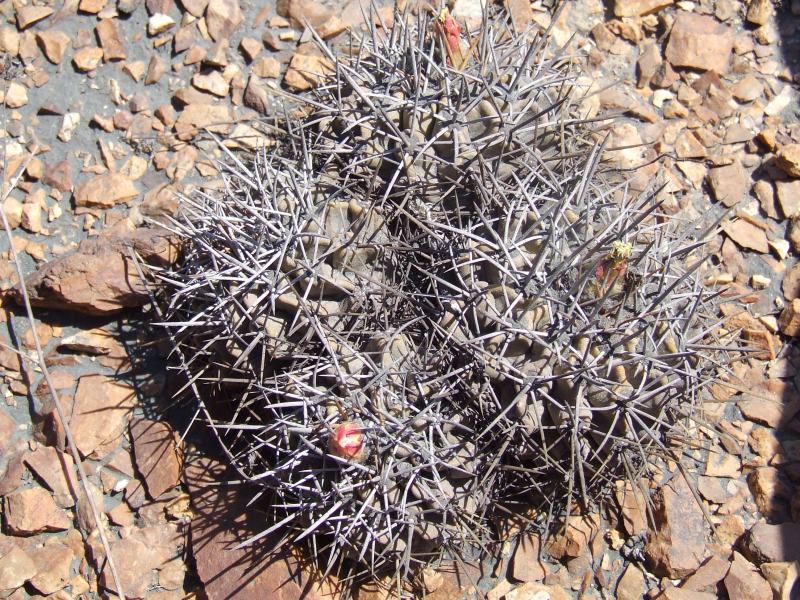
(108, 112)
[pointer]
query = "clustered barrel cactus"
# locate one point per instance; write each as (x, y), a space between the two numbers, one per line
(427, 307)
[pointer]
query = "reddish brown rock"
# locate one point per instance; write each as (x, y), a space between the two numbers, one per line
(525, 564)
(100, 278)
(744, 582)
(772, 543)
(16, 567)
(706, 578)
(223, 17)
(155, 449)
(8, 428)
(789, 321)
(788, 159)
(747, 235)
(28, 15)
(54, 44)
(300, 12)
(228, 573)
(521, 14)
(638, 8)
(699, 42)
(31, 511)
(573, 541)
(111, 40)
(100, 414)
(676, 543)
(771, 492)
(57, 471)
(105, 191)
(632, 585)
(306, 71)
(729, 183)
(195, 117)
(53, 567)
(87, 59)
(256, 95)
(788, 194)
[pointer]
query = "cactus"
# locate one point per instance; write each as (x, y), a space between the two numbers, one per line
(428, 306)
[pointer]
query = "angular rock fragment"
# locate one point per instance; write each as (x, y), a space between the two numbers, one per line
(676, 544)
(156, 453)
(699, 42)
(100, 277)
(31, 511)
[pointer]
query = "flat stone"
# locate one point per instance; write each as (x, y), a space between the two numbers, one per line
(16, 95)
(53, 567)
(771, 412)
(8, 428)
(266, 67)
(105, 191)
(575, 539)
(86, 521)
(250, 48)
(632, 504)
(707, 576)
(747, 235)
(228, 573)
(525, 564)
(307, 71)
(747, 89)
(759, 12)
(58, 176)
(212, 82)
(535, 591)
(111, 40)
(16, 567)
(92, 6)
(196, 8)
(729, 183)
(676, 542)
(100, 277)
(766, 542)
(223, 17)
(521, 14)
(788, 193)
(699, 42)
(788, 159)
(155, 449)
(300, 12)
(673, 593)
(31, 511)
(771, 492)
(688, 146)
(782, 578)
(639, 8)
(87, 59)
(57, 471)
(744, 582)
(28, 15)
(256, 95)
(100, 414)
(156, 69)
(196, 117)
(54, 44)
(789, 321)
(791, 283)
(722, 464)
(632, 585)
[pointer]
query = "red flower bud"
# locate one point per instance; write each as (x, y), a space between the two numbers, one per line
(347, 441)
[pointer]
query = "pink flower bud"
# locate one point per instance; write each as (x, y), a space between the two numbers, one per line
(347, 441)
